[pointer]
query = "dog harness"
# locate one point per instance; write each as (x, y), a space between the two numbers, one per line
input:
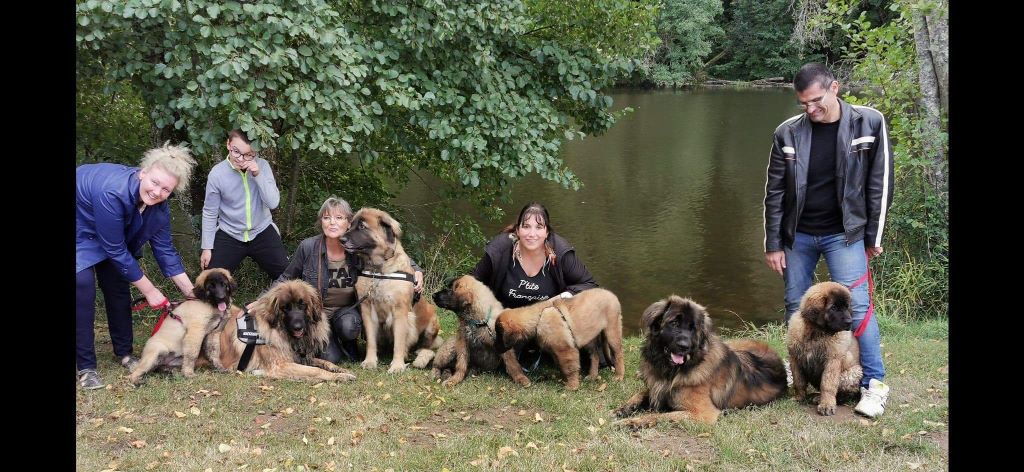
(556, 304)
(394, 276)
(486, 323)
(248, 334)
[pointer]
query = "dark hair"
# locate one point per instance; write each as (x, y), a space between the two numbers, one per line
(531, 209)
(237, 133)
(813, 73)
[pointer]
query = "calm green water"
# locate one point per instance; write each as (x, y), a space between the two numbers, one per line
(671, 203)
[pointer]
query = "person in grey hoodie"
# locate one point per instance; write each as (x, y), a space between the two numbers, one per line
(240, 192)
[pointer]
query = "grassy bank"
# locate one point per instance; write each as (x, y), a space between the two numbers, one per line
(410, 422)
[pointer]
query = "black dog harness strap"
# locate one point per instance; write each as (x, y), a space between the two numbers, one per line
(248, 334)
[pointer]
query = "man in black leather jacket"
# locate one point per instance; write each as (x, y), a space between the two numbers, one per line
(830, 184)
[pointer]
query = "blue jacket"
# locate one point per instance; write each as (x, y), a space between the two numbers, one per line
(109, 226)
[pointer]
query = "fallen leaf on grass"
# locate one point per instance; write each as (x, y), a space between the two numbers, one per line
(124, 429)
(602, 387)
(537, 418)
(194, 411)
(138, 444)
(330, 441)
(179, 414)
(506, 451)
(223, 448)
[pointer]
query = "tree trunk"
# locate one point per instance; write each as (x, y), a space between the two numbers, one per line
(292, 191)
(938, 34)
(930, 102)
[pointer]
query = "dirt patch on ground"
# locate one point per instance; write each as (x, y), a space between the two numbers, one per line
(275, 424)
(941, 439)
(449, 424)
(678, 443)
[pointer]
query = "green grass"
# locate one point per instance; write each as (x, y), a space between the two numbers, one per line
(410, 422)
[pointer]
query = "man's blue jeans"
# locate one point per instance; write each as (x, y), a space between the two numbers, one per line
(846, 265)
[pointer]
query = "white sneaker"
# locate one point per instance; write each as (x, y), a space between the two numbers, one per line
(872, 399)
(789, 373)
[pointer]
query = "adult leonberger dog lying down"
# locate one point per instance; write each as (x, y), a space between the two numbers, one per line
(287, 317)
(822, 349)
(386, 287)
(178, 339)
(560, 327)
(691, 374)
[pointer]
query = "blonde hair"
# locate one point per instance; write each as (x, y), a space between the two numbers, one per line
(175, 160)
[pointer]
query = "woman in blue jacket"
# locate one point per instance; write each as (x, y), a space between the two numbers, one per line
(118, 210)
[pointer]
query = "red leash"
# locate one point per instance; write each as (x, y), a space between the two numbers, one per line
(165, 309)
(871, 299)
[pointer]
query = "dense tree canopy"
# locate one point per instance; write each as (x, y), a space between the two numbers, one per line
(454, 87)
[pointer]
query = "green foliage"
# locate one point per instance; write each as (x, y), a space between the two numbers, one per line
(883, 59)
(623, 29)
(351, 94)
(689, 31)
(759, 41)
(111, 124)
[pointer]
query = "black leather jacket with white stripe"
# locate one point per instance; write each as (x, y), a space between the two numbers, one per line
(864, 176)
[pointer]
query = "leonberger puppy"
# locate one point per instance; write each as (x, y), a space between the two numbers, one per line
(288, 318)
(472, 348)
(561, 327)
(822, 350)
(386, 288)
(179, 338)
(692, 374)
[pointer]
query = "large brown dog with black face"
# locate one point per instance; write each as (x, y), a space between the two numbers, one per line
(472, 348)
(388, 302)
(179, 339)
(691, 374)
(561, 327)
(822, 350)
(288, 316)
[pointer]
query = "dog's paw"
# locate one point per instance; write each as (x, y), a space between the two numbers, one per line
(369, 364)
(422, 361)
(826, 409)
(396, 367)
(344, 376)
(636, 423)
(450, 382)
(522, 381)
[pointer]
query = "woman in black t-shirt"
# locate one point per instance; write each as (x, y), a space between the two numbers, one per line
(527, 262)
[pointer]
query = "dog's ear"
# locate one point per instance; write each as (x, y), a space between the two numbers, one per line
(703, 327)
(814, 304)
(272, 303)
(650, 321)
(499, 338)
(313, 304)
(232, 286)
(392, 229)
(199, 289)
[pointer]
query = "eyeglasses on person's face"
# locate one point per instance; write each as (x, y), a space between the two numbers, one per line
(235, 153)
